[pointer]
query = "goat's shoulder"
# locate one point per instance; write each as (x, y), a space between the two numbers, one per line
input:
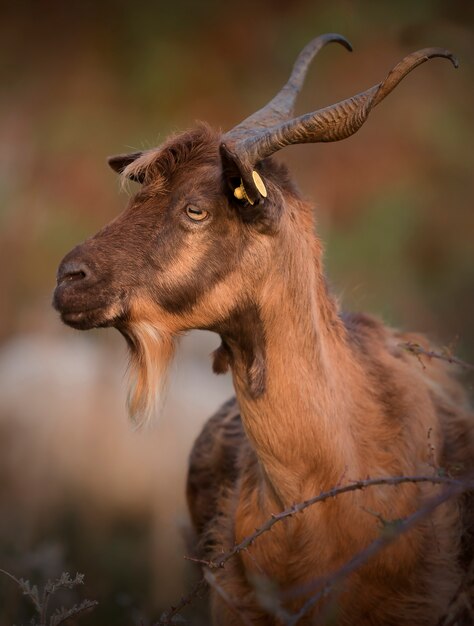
(378, 345)
(407, 381)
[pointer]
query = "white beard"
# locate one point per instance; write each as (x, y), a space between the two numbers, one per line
(151, 352)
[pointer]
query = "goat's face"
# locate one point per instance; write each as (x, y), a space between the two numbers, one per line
(177, 256)
(185, 254)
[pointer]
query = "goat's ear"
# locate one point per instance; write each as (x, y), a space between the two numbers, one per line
(230, 173)
(119, 162)
(256, 206)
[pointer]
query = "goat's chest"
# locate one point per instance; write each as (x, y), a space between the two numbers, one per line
(286, 551)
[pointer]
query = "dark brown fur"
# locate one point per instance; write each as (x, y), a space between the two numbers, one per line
(245, 329)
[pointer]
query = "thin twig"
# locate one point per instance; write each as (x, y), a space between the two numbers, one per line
(325, 495)
(21, 583)
(59, 617)
(48, 590)
(418, 350)
(15, 580)
(167, 617)
(195, 559)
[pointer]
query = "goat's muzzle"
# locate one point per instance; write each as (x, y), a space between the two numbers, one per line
(81, 293)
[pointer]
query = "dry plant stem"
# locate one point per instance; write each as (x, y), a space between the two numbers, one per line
(41, 605)
(459, 485)
(332, 493)
(417, 350)
(15, 580)
(46, 596)
(167, 617)
(18, 582)
(56, 619)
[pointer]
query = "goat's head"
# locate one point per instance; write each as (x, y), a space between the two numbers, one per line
(198, 237)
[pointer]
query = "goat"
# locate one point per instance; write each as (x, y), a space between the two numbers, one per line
(219, 238)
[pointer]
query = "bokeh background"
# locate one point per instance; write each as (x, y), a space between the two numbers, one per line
(79, 489)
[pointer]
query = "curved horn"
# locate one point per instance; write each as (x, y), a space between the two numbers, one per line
(332, 123)
(280, 108)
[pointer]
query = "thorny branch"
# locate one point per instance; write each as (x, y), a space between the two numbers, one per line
(173, 611)
(325, 495)
(457, 486)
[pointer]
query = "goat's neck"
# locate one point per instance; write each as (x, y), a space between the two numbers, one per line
(290, 365)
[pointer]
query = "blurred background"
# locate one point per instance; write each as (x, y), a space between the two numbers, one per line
(79, 489)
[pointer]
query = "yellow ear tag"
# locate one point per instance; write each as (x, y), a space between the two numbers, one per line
(241, 194)
(259, 184)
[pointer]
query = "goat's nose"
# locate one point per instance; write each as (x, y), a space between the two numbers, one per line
(73, 271)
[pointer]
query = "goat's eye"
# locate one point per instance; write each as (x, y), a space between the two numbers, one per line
(195, 213)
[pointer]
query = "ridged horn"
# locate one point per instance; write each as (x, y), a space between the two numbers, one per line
(271, 128)
(281, 108)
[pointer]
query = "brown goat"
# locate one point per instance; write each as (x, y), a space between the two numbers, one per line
(218, 238)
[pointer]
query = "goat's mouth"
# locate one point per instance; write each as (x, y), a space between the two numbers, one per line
(86, 315)
(90, 318)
